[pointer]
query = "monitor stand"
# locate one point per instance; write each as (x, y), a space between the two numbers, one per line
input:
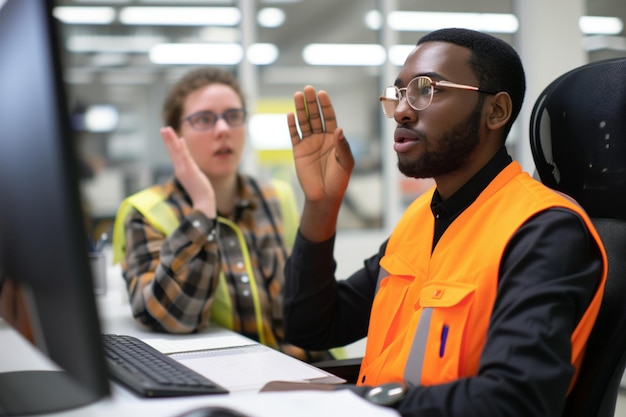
(37, 392)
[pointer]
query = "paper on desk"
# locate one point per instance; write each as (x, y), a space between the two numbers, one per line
(197, 344)
(307, 404)
(251, 367)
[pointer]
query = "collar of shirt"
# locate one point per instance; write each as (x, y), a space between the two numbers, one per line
(446, 211)
(243, 200)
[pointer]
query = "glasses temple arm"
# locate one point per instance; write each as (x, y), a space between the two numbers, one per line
(463, 87)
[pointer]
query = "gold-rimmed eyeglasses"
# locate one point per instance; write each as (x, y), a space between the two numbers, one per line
(419, 93)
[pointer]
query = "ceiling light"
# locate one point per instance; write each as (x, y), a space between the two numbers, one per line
(429, 21)
(344, 54)
(130, 44)
(598, 25)
(373, 20)
(84, 15)
(181, 16)
(101, 118)
(262, 53)
(196, 53)
(271, 17)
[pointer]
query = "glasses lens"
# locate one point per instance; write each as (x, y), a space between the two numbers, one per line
(419, 92)
(235, 117)
(389, 100)
(203, 120)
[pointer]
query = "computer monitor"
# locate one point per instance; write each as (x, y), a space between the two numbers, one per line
(42, 238)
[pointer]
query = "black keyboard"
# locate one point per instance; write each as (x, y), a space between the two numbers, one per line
(150, 373)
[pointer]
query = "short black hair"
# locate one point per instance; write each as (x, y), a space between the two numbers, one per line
(496, 64)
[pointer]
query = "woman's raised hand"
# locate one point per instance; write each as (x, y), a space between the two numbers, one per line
(191, 177)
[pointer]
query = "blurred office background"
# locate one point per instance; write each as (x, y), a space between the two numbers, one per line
(121, 56)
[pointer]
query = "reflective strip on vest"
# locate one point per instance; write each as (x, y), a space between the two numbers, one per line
(415, 361)
(253, 285)
(289, 211)
(149, 203)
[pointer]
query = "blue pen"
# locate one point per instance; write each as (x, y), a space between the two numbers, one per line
(94, 246)
(100, 245)
(444, 338)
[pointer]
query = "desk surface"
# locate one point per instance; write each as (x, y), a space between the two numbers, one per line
(244, 396)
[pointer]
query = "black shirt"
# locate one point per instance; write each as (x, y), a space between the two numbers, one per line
(548, 274)
(446, 211)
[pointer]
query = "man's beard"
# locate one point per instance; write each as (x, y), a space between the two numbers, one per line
(453, 149)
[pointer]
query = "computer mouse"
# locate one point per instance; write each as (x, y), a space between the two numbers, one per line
(212, 411)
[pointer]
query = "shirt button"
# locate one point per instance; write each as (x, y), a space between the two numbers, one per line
(245, 293)
(196, 224)
(245, 279)
(239, 265)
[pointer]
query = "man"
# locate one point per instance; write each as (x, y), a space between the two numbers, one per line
(481, 300)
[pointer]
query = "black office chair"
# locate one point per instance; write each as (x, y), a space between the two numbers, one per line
(578, 141)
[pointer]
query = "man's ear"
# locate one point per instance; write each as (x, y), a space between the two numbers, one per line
(499, 110)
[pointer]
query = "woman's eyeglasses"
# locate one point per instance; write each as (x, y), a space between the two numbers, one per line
(419, 93)
(206, 120)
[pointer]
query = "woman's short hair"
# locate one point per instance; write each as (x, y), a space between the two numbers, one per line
(190, 82)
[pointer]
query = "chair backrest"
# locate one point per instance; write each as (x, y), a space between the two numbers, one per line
(578, 140)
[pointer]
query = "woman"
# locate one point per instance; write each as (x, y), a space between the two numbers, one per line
(207, 245)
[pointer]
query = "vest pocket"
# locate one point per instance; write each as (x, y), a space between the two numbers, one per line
(448, 329)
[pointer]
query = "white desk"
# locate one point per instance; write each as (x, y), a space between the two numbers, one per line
(116, 318)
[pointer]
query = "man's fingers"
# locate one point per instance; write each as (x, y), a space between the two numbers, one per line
(293, 130)
(314, 114)
(328, 113)
(315, 119)
(302, 114)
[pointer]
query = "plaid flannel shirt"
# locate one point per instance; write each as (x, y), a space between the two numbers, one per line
(171, 280)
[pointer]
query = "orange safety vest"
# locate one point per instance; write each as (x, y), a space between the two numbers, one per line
(431, 312)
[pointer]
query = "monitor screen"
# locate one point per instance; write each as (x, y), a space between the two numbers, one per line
(43, 247)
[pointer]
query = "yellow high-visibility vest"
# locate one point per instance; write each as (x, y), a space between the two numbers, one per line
(150, 203)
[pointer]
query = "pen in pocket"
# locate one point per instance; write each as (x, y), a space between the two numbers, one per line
(444, 338)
